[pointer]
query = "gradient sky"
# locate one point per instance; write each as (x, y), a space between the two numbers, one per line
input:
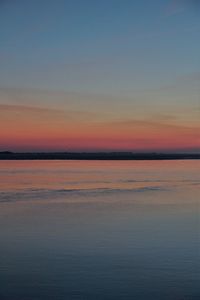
(99, 75)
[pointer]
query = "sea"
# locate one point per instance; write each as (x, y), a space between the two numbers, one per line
(100, 230)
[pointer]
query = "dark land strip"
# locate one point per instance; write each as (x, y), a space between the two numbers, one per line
(7, 155)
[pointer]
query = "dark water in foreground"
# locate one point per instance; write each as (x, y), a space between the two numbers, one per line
(99, 230)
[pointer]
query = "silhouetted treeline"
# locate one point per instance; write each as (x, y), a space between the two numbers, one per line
(7, 155)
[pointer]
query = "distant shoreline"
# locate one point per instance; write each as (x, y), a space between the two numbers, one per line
(6, 155)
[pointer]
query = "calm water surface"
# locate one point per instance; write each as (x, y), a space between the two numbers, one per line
(99, 230)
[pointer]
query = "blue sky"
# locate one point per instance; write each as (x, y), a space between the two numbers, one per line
(116, 45)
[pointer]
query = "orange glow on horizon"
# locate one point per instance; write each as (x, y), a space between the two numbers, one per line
(48, 131)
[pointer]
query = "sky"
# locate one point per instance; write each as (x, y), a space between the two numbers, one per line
(109, 75)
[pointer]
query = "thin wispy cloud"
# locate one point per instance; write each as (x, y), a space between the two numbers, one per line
(157, 124)
(26, 109)
(24, 114)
